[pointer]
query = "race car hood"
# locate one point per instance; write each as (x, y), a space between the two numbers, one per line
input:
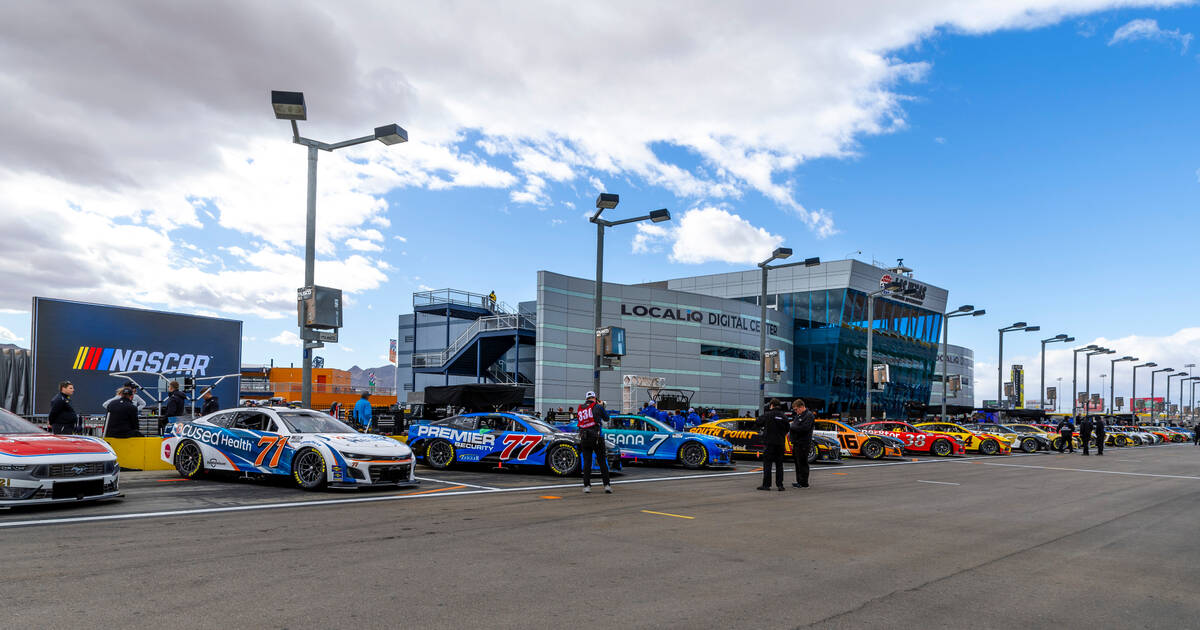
(30, 445)
(363, 443)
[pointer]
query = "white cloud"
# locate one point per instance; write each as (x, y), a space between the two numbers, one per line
(1198, 175)
(346, 348)
(1169, 351)
(708, 234)
(1149, 29)
(363, 245)
(556, 222)
(286, 338)
(424, 287)
(8, 336)
(400, 238)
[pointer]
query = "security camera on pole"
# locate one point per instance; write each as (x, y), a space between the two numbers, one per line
(318, 308)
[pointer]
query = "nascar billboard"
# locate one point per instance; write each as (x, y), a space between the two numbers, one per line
(85, 343)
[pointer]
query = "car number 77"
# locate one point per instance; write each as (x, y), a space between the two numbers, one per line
(513, 440)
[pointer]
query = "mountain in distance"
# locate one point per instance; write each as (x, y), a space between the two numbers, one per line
(385, 376)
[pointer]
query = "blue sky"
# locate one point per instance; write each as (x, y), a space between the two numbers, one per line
(1042, 168)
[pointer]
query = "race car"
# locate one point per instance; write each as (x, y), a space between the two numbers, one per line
(983, 443)
(748, 441)
(312, 448)
(647, 439)
(1056, 436)
(1035, 430)
(37, 467)
(1028, 442)
(1162, 433)
(500, 438)
(860, 443)
(915, 440)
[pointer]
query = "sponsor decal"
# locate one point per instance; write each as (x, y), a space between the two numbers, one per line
(460, 438)
(216, 438)
(91, 358)
(724, 320)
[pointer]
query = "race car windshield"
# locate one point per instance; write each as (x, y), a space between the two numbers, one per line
(11, 424)
(303, 422)
(538, 425)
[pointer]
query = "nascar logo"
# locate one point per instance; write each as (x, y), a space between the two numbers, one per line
(121, 359)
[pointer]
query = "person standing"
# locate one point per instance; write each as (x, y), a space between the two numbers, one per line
(773, 425)
(1065, 431)
(800, 435)
(492, 300)
(1100, 433)
(592, 418)
(1085, 432)
(693, 418)
(362, 412)
(211, 403)
(122, 416)
(137, 400)
(62, 415)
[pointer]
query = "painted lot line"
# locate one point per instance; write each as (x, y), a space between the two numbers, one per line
(1088, 470)
(448, 493)
(941, 483)
(456, 483)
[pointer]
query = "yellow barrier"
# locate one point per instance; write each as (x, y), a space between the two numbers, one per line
(139, 453)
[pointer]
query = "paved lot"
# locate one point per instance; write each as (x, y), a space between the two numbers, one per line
(1036, 541)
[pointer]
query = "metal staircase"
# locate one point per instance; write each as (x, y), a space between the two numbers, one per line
(497, 328)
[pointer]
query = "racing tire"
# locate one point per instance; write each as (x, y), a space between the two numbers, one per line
(813, 453)
(872, 449)
(1177, 438)
(693, 455)
(439, 454)
(562, 460)
(941, 448)
(1057, 443)
(989, 447)
(308, 469)
(188, 460)
(1029, 445)
(1137, 441)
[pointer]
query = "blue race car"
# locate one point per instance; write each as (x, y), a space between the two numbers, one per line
(650, 439)
(500, 438)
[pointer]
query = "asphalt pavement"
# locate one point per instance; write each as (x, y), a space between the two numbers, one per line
(1021, 541)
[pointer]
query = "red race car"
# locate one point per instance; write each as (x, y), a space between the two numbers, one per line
(916, 440)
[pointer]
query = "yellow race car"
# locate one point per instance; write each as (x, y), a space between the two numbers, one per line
(983, 443)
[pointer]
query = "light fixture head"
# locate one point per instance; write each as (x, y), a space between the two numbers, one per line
(812, 262)
(289, 105)
(660, 215)
(607, 201)
(1018, 325)
(391, 134)
(965, 308)
(1068, 340)
(781, 252)
(979, 312)
(1061, 337)
(1151, 364)
(1032, 328)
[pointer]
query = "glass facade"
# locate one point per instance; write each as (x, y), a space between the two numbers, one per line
(830, 350)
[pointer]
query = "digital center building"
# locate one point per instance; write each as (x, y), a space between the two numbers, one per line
(700, 334)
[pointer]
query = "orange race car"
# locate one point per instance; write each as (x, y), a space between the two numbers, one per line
(860, 443)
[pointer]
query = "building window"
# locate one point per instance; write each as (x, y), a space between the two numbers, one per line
(408, 387)
(409, 338)
(726, 351)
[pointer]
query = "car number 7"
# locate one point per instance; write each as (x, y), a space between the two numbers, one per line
(658, 441)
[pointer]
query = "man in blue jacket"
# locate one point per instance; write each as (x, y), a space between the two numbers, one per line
(693, 418)
(677, 421)
(650, 411)
(362, 412)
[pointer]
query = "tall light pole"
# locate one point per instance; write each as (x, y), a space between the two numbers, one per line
(1181, 382)
(1189, 367)
(1152, 374)
(894, 285)
(1112, 385)
(1088, 378)
(1075, 376)
(779, 254)
(608, 201)
(1133, 389)
(1195, 382)
(962, 311)
(290, 106)
(1056, 338)
(1060, 393)
(1167, 403)
(1000, 362)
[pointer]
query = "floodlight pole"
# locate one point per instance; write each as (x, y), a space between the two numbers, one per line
(962, 311)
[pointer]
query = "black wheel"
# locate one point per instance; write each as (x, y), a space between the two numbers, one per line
(439, 454)
(1137, 441)
(693, 455)
(941, 448)
(1029, 445)
(308, 469)
(989, 447)
(872, 449)
(562, 459)
(189, 460)
(1057, 444)
(812, 452)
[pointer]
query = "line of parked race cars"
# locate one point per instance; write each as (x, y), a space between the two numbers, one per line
(317, 451)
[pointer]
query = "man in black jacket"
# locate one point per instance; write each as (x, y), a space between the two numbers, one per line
(592, 419)
(62, 415)
(211, 404)
(800, 435)
(1085, 432)
(1065, 431)
(1100, 433)
(175, 405)
(773, 425)
(122, 416)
